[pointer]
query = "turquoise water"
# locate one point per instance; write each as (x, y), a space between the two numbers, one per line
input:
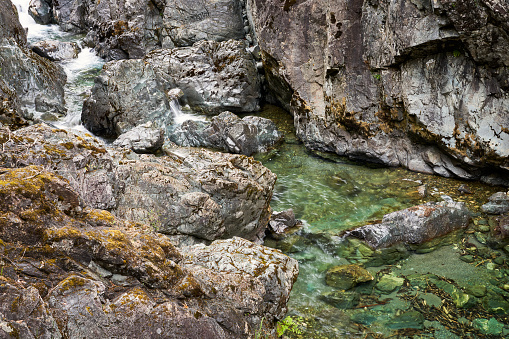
(332, 194)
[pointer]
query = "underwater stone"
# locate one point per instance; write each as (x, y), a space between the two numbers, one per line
(411, 319)
(341, 299)
(388, 283)
(488, 327)
(345, 277)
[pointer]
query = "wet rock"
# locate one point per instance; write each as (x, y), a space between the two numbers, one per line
(10, 26)
(41, 11)
(498, 204)
(357, 251)
(414, 225)
(477, 290)
(495, 304)
(341, 299)
(11, 113)
(214, 76)
(467, 258)
(400, 115)
(345, 277)
(56, 50)
(187, 22)
(127, 93)
(464, 189)
(59, 247)
(388, 284)
(410, 319)
(229, 133)
(146, 138)
(202, 194)
(281, 223)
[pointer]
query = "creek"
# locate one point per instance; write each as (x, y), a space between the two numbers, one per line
(331, 195)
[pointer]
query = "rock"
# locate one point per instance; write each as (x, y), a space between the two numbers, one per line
(464, 189)
(41, 11)
(229, 133)
(414, 225)
(477, 290)
(186, 22)
(374, 94)
(282, 223)
(146, 138)
(11, 113)
(345, 277)
(49, 290)
(56, 50)
(10, 26)
(388, 284)
(127, 93)
(495, 304)
(498, 204)
(488, 327)
(341, 299)
(467, 258)
(35, 80)
(200, 194)
(214, 76)
(410, 319)
(273, 272)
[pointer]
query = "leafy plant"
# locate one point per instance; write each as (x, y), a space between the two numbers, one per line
(456, 53)
(377, 76)
(290, 325)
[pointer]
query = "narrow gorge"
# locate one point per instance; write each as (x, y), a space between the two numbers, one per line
(254, 169)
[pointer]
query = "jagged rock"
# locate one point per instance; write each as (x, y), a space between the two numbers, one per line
(345, 277)
(200, 194)
(498, 204)
(146, 138)
(35, 80)
(9, 24)
(282, 223)
(414, 225)
(41, 11)
(214, 76)
(187, 22)
(56, 50)
(229, 133)
(127, 93)
(10, 110)
(427, 90)
(56, 244)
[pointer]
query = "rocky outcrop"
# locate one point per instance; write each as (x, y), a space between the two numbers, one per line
(41, 11)
(498, 204)
(146, 138)
(414, 225)
(213, 77)
(72, 271)
(413, 83)
(229, 133)
(200, 194)
(56, 50)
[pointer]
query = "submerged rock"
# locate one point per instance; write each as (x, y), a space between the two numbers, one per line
(345, 277)
(58, 246)
(229, 133)
(56, 50)
(202, 194)
(341, 299)
(498, 204)
(414, 225)
(146, 138)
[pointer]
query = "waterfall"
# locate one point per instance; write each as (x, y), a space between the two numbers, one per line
(179, 117)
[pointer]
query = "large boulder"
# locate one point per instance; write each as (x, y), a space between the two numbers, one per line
(10, 26)
(201, 194)
(426, 89)
(56, 50)
(41, 11)
(72, 271)
(213, 76)
(414, 225)
(145, 138)
(229, 133)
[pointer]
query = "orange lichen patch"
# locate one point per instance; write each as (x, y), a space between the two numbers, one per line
(70, 283)
(422, 210)
(336, 112)
(100, 217)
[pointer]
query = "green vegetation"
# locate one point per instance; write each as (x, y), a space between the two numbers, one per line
(456, 53)
(289, 324)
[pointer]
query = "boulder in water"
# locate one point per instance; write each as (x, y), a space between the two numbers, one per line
(56, 50)
(229, 133)
(282, 223)
(345, 277)
(41, 11)
(414, 225)
(145, 138)
(498, 204)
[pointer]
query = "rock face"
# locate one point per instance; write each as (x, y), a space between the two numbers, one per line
(414, 225)
(213, 76)
(229, 133)
(32, 80)
(413, 83)
(146, 138)
(41, 11)
(56, 50)
(498, 204)
(201, 194)
(71, 271)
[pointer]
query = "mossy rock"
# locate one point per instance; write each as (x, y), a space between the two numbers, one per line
(345, 277)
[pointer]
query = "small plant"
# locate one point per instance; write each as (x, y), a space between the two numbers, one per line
(290, 325)
(377, 76)
(259, 332)
(456, 53)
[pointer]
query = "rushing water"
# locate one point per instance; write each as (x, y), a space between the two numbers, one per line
(331, 194)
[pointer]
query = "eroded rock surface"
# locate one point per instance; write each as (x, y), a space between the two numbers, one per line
(207, 195)
(72, 271)
(229, 133)
(146, 138)
(414, 83)
(56, 50)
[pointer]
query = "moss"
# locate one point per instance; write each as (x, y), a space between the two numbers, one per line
(336, 111)
(100, 217)
(71, 282)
